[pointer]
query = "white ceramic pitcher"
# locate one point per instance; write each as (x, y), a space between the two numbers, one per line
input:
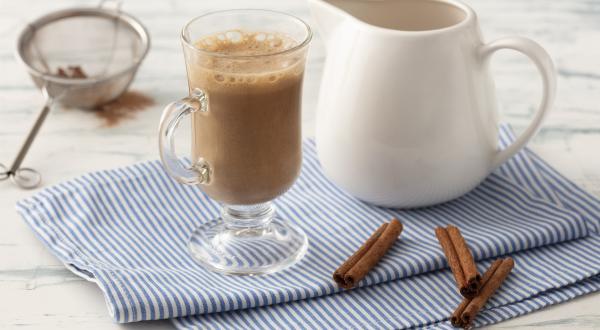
(407, 110)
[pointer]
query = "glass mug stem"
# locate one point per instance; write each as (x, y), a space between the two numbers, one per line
(247, 216)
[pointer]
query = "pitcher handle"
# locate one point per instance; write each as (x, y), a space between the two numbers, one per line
(199, 171)
(544, 64)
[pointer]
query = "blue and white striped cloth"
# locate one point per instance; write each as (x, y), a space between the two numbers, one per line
(127, 229)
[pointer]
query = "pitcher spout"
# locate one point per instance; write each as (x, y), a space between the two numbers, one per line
(327, 16)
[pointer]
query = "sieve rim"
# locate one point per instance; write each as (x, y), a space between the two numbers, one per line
(123, 17)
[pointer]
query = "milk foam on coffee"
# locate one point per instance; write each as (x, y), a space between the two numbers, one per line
(251, 134)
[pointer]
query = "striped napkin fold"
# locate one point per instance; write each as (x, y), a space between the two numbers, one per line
(128, 228)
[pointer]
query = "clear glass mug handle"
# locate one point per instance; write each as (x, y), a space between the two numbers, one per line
(199, 171)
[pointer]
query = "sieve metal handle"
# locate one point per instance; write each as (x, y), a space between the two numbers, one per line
(27, 178)
(37, 124)
(199, 171)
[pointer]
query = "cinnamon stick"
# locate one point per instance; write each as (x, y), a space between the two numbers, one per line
(456, 319)
(460, 260)
(338, 275)
(356, 267)
(495, 281)
(466, 258)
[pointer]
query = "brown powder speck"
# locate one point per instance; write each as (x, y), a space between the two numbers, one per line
(72, 71)
(124, 107)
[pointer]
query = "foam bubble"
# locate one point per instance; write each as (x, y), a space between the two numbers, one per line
(275, 43)
(260, 37)
(234, 36)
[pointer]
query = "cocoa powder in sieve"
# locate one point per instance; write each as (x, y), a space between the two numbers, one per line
(71, 71)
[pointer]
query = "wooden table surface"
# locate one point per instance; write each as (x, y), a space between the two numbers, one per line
(37, 292)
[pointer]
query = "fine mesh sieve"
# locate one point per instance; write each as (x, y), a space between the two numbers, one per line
(106, 46)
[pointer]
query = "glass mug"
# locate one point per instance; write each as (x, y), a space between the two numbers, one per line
(245, 70)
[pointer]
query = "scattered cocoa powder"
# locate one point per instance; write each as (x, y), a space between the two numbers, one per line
(124, 107)
(115, 111)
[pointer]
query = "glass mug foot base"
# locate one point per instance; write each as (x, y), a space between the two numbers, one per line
(248, 240)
